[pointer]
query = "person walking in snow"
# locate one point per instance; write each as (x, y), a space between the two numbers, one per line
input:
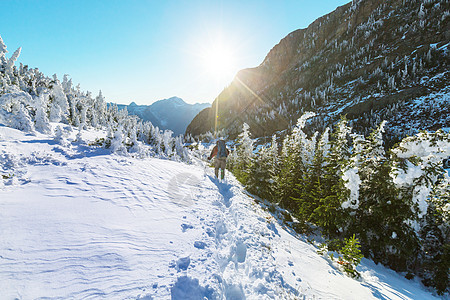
(221, 152)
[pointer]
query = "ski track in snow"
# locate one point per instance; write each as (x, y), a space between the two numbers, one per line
(103, 226)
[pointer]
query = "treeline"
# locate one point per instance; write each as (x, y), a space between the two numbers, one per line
(29, 101)
(395, 201)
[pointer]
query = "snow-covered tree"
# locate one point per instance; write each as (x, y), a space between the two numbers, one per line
(22, 119)
(418, 164)
(59, 106)
(311, 190)
(168, 143)
(117, 143)
(13, 112)
(180, 150)
(241, 158)
(10, 63)
(330, 191)
(3, 51)
(392, 241)
(42, 123)
(296, 153)
(60, 136)
(262, 170)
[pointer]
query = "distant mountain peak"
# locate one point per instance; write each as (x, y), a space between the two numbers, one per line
(177, 100)
(172, 113)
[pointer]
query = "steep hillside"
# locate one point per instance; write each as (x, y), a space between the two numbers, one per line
(173, 113)
(370, 60)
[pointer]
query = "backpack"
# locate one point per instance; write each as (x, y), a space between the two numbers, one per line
(221, 149)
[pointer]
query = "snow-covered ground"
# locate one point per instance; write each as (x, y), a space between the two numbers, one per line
(77, 222)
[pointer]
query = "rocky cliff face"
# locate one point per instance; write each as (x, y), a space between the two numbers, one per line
(370, 60)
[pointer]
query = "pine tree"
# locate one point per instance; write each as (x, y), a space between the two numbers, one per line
(259, 180)
(42, 123)
(435, 239)
(3, 51)
(297, 152)
(329, 213)
(59, 105)
(312, 190)
(274, 166)
(242, 157)
(168, 143)
(10, 63)
(391, 241)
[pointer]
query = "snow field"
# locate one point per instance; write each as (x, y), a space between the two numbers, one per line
(79, 223)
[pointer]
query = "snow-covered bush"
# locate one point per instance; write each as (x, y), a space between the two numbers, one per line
(117, 143)
(13, 112)
(60, 136)
(29, 100)
(419, 164)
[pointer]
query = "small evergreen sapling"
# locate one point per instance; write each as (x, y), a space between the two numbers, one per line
(351, 256)
(348, 253)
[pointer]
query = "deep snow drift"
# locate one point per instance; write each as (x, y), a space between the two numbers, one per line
(77, 222)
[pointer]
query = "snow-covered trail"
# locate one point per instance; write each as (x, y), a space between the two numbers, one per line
(78, 223)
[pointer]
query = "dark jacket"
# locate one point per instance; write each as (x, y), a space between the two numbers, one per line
(215, 150)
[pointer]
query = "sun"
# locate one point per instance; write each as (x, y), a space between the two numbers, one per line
(218, 60)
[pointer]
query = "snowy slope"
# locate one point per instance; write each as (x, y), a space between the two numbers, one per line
(79, 223)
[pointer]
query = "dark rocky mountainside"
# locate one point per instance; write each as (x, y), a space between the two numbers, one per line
(371, 60)
(173, 113)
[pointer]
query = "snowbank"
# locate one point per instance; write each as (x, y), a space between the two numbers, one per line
(79, 222)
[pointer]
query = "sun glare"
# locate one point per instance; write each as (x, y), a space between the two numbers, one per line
(218, 60)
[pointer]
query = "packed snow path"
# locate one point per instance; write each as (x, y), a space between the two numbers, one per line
(79, 223)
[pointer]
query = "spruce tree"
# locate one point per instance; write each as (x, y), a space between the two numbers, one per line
(258, 180)
(297, 152)
(329, 213)
(381, 219)
(242, 157)
(435, 239)
(312, 190)
(10, 63)
(3, 51)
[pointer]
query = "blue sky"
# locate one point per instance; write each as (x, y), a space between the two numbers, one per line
(146, 50)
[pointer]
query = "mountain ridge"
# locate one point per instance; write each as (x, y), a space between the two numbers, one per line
(367, 59)
(172, 113)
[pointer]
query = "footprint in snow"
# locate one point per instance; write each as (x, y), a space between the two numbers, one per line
(241, 252)
(199, 245)
(183, 263)
(185, 227)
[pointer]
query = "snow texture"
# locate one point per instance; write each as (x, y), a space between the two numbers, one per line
(352, 182)
(77, 222)
(431, 149)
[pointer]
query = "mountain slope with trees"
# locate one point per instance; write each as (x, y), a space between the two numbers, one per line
(369, 60)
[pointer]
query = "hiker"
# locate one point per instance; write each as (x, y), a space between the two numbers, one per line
(221, 152)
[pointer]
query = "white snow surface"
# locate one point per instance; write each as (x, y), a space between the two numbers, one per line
(77, 222)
